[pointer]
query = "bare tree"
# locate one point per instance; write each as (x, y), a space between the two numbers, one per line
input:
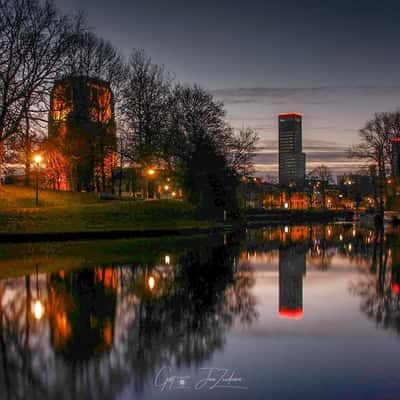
(376, 149)
(34, 37)
(240, 149)
(145, 101)
(94, 57)
(324, 178)
(206, 150)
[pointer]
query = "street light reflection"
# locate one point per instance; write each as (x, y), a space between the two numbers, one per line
(151, 282)
(38, 310)
(37, 158)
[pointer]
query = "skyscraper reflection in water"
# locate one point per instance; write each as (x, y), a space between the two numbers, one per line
(292, 268)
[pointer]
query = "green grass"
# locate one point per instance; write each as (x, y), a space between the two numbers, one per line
(70, 212)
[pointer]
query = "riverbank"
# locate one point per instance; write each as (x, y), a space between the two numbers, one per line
(64, 215)
(256, 218)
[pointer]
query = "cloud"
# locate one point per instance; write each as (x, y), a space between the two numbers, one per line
(332, 117)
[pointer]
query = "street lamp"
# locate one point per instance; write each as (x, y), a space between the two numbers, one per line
(150, 173)
(38, 159)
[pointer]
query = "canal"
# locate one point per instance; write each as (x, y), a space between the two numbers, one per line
(273, 313)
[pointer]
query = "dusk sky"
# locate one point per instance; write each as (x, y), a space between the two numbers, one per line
(337, 62)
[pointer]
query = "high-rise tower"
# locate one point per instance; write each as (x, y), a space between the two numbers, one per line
(292, 161)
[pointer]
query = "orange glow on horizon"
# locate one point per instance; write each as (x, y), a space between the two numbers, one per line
(291, 314)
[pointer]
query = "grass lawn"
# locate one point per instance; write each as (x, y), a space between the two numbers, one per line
(70, 212)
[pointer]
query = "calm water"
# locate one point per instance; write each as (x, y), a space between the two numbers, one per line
(276, 313)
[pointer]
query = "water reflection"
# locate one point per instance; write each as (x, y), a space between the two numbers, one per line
(379, 285)
(82, 309)
(102, 326)
(292, 268)
(90, 332)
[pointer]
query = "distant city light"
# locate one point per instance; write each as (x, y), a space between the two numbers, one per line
(286, 205)
(167, 259)
(286, 229)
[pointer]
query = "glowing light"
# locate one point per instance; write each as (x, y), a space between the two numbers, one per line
(341, 237)
(290, 114)
(395, 288)
(286, 205)
(286, 229)
(291, 314)
(173, 194)
(151, 282)
(354, 232)
(329, 232)
(167, 259)
(38, 310)
(151, 172)
(350, 247)
(37, 158)
(166, 187)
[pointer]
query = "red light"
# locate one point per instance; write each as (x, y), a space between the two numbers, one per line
(395, 140)
(291, 314)
(395, 288)
(290, 114)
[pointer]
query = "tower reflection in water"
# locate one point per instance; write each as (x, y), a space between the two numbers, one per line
(82, 312)
(292, 269)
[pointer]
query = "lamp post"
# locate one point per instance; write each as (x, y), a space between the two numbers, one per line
(150, 174)
(37, 159)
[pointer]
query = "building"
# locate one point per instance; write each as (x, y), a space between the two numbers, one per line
(82, 135)
(292, 161)
(357, 188)
(396, 157)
